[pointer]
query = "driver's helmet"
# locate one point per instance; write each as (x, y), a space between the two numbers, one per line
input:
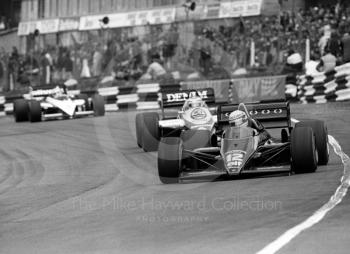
(238, 118)
(58, 93)
(195, 102)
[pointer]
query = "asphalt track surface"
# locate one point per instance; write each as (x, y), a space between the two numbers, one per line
(83, 186)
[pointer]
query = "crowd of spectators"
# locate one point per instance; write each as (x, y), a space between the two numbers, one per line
(7, 23)
(210, 50)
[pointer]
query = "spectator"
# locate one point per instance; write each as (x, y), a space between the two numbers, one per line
(2, 23)
(324, 39)
(97, 62)
(135, 53)
(346, 47)
(46, 67)
(13, 68)
(2, 70)
(67, 66)
(294, 62)
(334, 45)
(328, 62)
(155, 71)
(85, 70)
(170, 44)
(205, 56)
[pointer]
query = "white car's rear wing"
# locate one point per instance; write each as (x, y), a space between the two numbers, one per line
(177, 99)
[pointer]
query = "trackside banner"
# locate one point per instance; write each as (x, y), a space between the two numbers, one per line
(257, 89)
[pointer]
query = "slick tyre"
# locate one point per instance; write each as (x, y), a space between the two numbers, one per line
(150, 132)
(138, 128)
(321, 135)
(170, 160)
(98, 105)
(34, 112)
(303, 150)
(20, 110)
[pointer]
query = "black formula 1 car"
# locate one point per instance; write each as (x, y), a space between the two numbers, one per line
(238, 151)
(55, 103)
(150, 126)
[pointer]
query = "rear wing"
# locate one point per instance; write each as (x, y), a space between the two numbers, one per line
(177, 99)
(45, 91)
(269, 114)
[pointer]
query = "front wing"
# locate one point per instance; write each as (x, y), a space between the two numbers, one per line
(268, 159)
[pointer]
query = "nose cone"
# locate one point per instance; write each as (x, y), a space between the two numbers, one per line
(234, 161)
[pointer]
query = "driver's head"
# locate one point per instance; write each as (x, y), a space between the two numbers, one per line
(58, 92)
(238, 118)
(195, 102)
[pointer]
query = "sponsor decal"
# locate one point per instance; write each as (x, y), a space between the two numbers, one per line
(179, 97)
(47, 92)
(198, 114)
(69, 24)
(212, 11)
(234, 159)
(240, 8)
(267, 112)
(277, 111)
(48, 26)
(134, 18)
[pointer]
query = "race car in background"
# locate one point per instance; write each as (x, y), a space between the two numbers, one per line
(48, 103)
(240, 150)
(193, 115)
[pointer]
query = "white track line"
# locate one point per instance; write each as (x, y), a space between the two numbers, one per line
(337, 198)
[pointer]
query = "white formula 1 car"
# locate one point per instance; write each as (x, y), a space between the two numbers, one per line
(193, 116)
(55, 103)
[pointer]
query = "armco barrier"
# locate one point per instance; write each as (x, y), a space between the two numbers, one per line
(326, 87)
(146, 96)
(139, 97)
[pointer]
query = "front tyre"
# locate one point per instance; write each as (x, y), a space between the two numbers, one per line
(170, 160)
(150, 132)
(303, 150)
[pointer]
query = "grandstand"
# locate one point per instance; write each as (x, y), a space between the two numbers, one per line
(202, 39)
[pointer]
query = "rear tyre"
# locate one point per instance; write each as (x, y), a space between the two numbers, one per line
(20, 110)
(321, 135)
(170, 160)
(150, 132)
(98, 105)
(139, 126)
(34, 112)
(303, 150)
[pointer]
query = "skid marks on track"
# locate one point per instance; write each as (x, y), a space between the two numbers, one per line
(21, 170)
